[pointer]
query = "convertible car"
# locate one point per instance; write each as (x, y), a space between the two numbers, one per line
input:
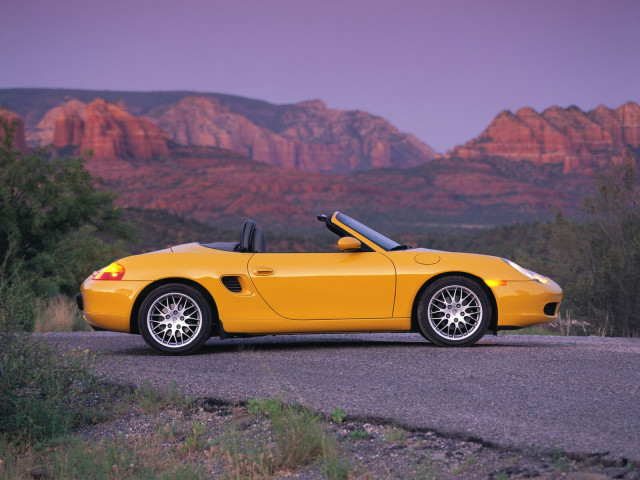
(179, 297)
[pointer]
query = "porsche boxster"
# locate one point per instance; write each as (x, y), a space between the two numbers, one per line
(179, 297)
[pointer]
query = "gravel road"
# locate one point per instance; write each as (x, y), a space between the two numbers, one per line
(576, 394)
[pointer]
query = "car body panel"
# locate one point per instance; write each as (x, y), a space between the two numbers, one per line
(330, 286)
(374, 290)
(107, 304)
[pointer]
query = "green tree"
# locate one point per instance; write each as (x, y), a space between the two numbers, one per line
(597, 259)
(57, 223)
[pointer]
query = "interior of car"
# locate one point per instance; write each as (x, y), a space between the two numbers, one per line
(251, 240)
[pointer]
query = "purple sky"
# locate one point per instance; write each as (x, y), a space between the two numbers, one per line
(438, 69)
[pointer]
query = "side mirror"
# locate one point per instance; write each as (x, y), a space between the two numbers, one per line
(349, 244)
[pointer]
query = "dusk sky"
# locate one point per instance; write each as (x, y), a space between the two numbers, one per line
(438, 69)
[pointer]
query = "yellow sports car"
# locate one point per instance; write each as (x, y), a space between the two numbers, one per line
(179, 297)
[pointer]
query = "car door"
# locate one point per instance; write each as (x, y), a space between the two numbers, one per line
(306, 286)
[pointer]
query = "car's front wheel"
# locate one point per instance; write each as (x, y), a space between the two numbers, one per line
(175, 319)
(454, 311)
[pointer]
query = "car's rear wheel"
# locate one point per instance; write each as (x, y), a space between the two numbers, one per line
(454, 311)
(175, 319)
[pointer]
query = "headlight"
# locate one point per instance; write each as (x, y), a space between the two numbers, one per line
(527, 273)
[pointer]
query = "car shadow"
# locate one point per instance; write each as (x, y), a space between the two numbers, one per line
(280, 343)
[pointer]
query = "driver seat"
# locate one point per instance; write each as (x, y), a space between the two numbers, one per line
(251, 240)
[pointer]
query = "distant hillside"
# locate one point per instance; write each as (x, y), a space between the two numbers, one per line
(220, 187)
(306, 136)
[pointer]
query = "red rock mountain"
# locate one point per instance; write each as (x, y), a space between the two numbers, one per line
(579, 141)
(105, 128)
(19, 140)
(306, 136)
(512, 172)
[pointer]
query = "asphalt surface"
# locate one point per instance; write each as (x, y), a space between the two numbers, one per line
(576, 394)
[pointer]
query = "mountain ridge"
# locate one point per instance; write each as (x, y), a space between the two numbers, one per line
(519, 168)
(339, 141)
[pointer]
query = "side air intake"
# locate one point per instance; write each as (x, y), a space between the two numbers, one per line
(232, 284)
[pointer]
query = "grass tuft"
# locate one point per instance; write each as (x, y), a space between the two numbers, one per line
(59, 314)
(338, 415)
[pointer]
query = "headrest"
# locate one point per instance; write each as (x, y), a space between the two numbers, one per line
(246, 235)
(258, 244)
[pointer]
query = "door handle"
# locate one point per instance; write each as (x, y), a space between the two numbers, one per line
(263, 271)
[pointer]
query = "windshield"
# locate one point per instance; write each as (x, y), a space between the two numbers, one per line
(369, 233)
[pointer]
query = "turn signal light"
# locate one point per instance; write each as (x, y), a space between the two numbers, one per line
(496, 283)
(115, 271)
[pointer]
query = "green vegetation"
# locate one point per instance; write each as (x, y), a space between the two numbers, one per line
(297, 432)
(55, 224)
(358, 434)
(151, 400)
(42, 392)
(338, 415)
(296, 438)
(596, 259)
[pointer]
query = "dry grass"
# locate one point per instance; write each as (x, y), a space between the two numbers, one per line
(59, 314)
(296, 439)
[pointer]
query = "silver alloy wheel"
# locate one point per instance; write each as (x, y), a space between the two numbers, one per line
(174, 320)
(455, 312)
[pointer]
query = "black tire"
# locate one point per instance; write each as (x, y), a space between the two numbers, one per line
(454, 311)
(175, 319)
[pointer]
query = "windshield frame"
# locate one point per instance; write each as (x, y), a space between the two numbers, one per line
(369, 233)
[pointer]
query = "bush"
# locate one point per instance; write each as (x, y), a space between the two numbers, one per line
(41, 389)
(596, 258)
(54, 222)
(16, 304)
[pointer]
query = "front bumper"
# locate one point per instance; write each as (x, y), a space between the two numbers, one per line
(522, 304)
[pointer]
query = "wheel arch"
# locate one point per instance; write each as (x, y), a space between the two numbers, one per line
(493, 324)
(133, 319)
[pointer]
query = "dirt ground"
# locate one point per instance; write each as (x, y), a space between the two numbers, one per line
(366, 449)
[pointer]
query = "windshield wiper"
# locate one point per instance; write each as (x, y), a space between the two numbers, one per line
(400, 247)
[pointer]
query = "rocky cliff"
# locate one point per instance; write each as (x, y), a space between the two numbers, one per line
(103, 127)
(306, 136)
(579, 141)
(19, 141)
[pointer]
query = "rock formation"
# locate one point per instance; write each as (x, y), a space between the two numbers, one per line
(105, 128)
(580, 141)
(306, 136)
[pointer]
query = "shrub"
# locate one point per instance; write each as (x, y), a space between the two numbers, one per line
(596, 258)
(41, 389)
